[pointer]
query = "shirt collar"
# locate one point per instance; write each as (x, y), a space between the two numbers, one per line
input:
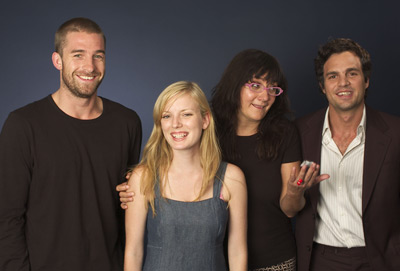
(360, 130)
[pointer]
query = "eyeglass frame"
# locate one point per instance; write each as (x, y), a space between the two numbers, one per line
(264, 88)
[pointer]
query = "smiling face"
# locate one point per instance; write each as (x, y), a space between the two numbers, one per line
(254, 106)
(82, 63)
(182, 123)
(344, 82)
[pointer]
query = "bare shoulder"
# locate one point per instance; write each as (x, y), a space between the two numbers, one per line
(234, 189)
(234, 175)
(134, 180)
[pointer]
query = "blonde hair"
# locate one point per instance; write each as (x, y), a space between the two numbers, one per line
(157, 154)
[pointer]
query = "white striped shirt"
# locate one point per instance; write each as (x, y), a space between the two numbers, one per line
(339, 221)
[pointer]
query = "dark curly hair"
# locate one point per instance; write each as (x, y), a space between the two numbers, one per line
(225, 103)
(337, 46)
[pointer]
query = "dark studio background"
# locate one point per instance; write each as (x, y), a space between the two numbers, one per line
(151, 44)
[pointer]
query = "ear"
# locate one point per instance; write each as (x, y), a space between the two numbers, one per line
(57, 61)
(322, 88)
(206, 120)
(367, 83)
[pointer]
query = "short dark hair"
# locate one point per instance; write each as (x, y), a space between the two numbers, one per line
(75, 25)
(340, 45)
(225, 102)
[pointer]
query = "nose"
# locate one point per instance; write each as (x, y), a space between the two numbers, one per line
(89, 65)
(263, 96)
(343, 80)
(176, 122)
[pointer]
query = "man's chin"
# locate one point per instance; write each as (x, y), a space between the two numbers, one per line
(84, 93)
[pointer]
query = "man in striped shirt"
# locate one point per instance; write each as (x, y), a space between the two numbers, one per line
(350, 221)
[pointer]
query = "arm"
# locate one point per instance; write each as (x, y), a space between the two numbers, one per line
(15, 176)
(236, 192)
(292, 196)
(294, 202)
(135, 224)
(136, 141)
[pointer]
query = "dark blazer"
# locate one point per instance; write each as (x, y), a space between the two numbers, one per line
(380, 193)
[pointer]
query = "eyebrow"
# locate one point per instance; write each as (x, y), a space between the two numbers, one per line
(77, 51)
(331, 72)
(353, 69)
(82, 51)
(257, 78)
(259, 81)
(180, 111)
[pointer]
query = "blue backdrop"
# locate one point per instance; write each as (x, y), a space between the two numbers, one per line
(151, 44)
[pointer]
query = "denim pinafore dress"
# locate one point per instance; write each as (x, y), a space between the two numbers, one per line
(186, 236)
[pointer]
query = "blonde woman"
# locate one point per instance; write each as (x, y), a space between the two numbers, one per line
(184, 194)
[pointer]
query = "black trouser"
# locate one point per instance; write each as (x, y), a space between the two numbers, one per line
(327, 258)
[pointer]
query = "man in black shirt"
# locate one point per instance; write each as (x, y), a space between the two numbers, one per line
(60, 159)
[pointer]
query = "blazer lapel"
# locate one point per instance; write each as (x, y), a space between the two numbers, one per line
(312, 138)
(376, 146)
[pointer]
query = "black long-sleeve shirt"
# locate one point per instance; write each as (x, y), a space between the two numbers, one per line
(58, 205)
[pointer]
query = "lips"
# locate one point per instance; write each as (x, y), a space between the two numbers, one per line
(259, 106)
(87, 77)
(344, 92)
(179, 135)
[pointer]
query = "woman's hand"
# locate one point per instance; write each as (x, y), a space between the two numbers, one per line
(295, 184)
(307, 177)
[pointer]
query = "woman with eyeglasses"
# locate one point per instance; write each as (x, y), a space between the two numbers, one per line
(250, 106)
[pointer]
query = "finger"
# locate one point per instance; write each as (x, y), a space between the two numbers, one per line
(124, 206)
(126, 196)
(292, 177)
(303, 170)
(125, 200)
(314, 174)
(305, 175)
(122, 187)
(302, 176)
(128, 175)
(311, 170)
(300, 182)
(321, 177)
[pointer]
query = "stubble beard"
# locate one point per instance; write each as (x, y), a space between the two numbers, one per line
(346, 107)
(76, 90)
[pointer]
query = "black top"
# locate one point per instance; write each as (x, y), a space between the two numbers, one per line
(58, 206)
(270, 235)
